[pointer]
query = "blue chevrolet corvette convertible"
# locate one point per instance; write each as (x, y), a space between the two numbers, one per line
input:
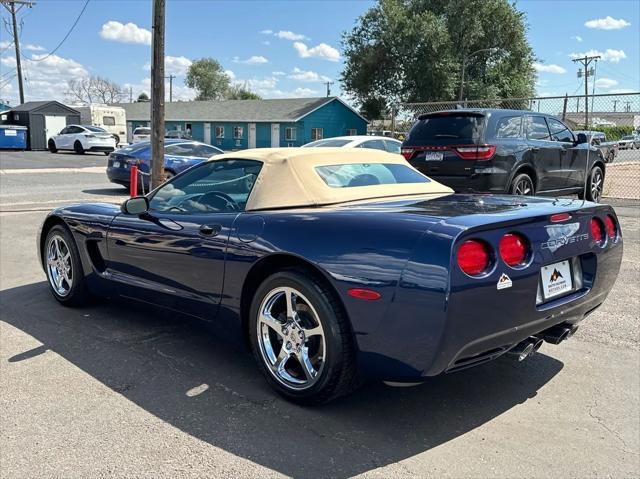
(338, 265)
(179, 154)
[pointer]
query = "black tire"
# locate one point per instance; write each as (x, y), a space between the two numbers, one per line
(77, 294)
(52, 146)
(522, 184)
(117, 138)
(77, 147)
(595, 184)
(338, 375)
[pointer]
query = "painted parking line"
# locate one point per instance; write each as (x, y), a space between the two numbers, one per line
(31, 171)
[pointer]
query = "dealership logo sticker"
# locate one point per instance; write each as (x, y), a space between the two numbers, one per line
(560, 235)
(504, 282)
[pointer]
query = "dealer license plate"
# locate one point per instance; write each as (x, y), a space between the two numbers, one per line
(433, 156)
(556, 279)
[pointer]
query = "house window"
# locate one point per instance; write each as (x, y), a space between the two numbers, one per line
(238, 132)
(352, 132)
(317, 134)
(219, 131)
(290, 134)
(109, 120)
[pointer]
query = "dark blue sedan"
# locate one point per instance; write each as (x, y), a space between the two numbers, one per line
(179, 155)
(341, 264)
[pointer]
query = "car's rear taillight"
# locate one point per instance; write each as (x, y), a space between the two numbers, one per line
(407, 152)
(514, 249)
(474, 257)
(596, 231)
(477, 152)
(610, 226)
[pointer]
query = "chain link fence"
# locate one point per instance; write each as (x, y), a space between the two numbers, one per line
(612, 123)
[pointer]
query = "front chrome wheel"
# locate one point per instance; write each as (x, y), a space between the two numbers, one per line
(291, 340)
(59, 265)
(523, 187)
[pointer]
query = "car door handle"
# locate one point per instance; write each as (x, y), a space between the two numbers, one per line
(210, 230)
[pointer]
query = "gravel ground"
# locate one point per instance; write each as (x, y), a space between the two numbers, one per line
(114, 390)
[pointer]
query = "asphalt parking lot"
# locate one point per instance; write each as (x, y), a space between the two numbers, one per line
(122, 391)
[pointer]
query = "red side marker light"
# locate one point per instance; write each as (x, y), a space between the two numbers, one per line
(364, 294)
(559, 217)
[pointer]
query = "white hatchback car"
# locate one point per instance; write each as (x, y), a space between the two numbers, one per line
(142, 133)
(81, 138)
(383, 143)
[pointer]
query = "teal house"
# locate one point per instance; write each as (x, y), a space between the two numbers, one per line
(240, 124)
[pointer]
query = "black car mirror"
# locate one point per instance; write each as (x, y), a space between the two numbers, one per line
(135, 206)
(582, 138)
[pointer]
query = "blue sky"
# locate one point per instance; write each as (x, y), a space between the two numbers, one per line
(285, 48)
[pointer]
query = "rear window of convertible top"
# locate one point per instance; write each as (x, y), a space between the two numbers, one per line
(368, 174)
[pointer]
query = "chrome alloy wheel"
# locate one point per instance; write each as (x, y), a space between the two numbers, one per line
(523, 187)
(59, 265)
(596, 185)
(291, 338)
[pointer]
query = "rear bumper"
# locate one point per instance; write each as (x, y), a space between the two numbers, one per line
(433, 328)
(490, 180)
(105, 149)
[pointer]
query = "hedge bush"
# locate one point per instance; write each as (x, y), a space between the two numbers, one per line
(614, 133)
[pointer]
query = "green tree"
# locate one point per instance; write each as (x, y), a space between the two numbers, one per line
(142, 97)
(413, 50)
(240, 92)
(208, 78)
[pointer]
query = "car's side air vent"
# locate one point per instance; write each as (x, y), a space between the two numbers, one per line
(96, 256)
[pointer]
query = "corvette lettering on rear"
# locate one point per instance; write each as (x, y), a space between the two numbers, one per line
(560, 235)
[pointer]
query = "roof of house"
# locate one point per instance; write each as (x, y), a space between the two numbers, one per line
(36, 105)
(289, 178)
(276, 110)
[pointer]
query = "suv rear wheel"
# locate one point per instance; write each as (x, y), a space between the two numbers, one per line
(522, 184)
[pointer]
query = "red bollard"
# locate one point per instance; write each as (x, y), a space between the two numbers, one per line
(133, 185)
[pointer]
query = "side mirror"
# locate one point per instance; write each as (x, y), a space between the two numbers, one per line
(135, 206)
(582, 138)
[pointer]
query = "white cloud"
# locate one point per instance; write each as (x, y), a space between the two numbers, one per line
(577, 38)
(607, 23)
(32, 48)
(129, 33)
(613, 56)
(254, 60)
(278, 73)
(606, 83)
(267, 32)
(176, 65)
(180, 92)
(266, 42)
(288, 35)
(622, 90)
(230, 74)
(540, 67)
(44, 79)
(262, 84)
(323, 51)
(307, 76)
(296, 93)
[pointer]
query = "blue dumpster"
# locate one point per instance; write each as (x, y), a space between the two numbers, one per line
(13, 137)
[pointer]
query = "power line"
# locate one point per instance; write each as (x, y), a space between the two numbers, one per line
(65, 37)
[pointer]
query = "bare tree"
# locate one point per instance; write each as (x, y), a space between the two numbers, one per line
(94, 90)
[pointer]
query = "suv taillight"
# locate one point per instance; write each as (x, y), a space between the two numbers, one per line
(473, 257)
(407, 153)
(477, 152)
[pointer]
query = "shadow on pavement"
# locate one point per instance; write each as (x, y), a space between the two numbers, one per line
(161, 362)
(115, 191)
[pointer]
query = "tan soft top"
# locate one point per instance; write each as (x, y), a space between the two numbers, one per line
(288, 177)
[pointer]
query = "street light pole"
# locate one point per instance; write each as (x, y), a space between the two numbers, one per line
(464, 66)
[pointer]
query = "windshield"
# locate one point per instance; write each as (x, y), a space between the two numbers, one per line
(368, 174)
(97, 129)
(327, 143)
(448, 127)
(142, 131)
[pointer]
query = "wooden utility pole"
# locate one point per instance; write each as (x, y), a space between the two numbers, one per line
(10, 5)
(328, 84)
(157, 95)
(171, 77)
(585, 61)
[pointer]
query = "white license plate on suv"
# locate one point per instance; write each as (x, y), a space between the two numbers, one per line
(556, 279)
(433, 156)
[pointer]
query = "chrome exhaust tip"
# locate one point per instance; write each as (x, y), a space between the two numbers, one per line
(526, 348)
